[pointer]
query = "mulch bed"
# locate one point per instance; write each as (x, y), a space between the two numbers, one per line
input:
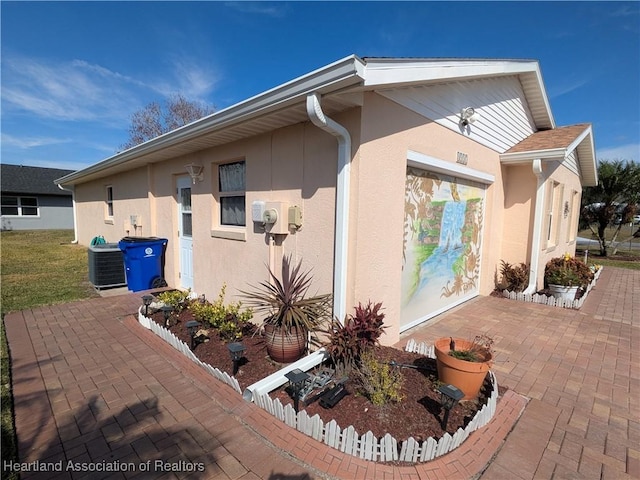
(418, 415)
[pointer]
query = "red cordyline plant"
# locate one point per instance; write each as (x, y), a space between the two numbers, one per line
(349, 339)
(284, 302)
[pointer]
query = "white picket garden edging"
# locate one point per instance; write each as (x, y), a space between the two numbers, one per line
(552, 301)
(384, 449)
(348, 441)
(179, 345)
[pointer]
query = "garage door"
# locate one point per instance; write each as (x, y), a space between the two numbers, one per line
(442, 240)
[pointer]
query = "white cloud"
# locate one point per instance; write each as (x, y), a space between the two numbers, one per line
(73, 91)
(630, 151)
(77, 90)
(559, 90)
(258, 8)
(190, 77)
(31, 142)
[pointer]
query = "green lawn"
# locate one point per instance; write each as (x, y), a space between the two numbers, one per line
(37, 267)
(628, 255)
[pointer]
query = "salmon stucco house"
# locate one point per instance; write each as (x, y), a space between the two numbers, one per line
(401, 181)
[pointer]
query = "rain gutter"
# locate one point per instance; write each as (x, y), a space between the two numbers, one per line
(75, 217)
(317, 116)
(537, 228)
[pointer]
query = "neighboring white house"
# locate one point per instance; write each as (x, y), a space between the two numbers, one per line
(404, 181)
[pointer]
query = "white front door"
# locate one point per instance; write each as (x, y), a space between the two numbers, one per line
(185, 240)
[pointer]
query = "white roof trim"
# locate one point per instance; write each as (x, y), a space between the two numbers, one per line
(337, 75)
(586, 159)
(420, 160)
(350, 74)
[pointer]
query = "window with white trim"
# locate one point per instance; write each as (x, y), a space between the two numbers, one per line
(554, 213)
(109, 202)
(231, 193)
(20, 206)
(574, 213)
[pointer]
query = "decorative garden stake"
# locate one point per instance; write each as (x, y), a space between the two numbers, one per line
(146, 301)
(235, 350)
(166, 311)
(192, 327)
(450, 395)
(296, 378)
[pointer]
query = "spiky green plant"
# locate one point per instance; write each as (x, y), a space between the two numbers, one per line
(284, 301)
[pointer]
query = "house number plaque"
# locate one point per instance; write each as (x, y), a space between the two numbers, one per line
(462, 158)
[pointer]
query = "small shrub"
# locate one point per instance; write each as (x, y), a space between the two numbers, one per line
(568, 271)
(515, 278)
(177, 299)
(378, 381)
(229, 320)
(359, 332)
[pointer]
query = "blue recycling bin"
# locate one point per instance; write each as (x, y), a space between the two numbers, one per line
(143, 262)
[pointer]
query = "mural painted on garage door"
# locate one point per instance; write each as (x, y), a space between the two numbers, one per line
(442, 236)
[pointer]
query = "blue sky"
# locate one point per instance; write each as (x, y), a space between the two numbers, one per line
(74, 72)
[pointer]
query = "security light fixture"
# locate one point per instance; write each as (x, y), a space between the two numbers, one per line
(146, 301)
(195, 171)
(192, 328)
(450, 395)
(468, 115)
(296, 378)
(235, 350)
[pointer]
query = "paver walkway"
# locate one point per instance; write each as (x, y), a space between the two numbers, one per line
(581, 370)
(93, 387)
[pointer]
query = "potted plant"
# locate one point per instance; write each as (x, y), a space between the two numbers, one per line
(289, 315)
(464, 363)
(565, 275)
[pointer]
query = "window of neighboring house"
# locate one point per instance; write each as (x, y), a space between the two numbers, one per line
(20, 206)
(554, 214)
(109, 201)
(231, 193)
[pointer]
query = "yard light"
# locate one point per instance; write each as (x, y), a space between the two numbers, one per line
(450, 395)
(296, 378)
(192, 327)
(235, 350)
(146, 301)
(166, 311)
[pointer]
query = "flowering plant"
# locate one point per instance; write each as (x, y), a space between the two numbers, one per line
(567, 271)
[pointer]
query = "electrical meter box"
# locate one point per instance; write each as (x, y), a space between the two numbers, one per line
(276, 217)
(257, 211)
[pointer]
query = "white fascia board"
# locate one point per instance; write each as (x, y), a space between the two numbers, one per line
(337, 75)
(386, 72)
(579, 139)
(523, 157)
(545, 98)
(420, 160)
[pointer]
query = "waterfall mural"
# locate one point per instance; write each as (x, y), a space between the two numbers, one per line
(442, 237)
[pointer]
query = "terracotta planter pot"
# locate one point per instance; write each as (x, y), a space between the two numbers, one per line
(561, 291)
(285, 347)
(467, 376)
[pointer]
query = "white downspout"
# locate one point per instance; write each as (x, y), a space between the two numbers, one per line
(537, 228)
(75, 219)
(317, 116)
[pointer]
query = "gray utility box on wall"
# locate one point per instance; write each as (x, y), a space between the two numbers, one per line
(106, 266)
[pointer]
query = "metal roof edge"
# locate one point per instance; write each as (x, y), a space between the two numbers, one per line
(322, 79)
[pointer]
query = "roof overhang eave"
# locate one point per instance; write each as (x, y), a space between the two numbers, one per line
(384, 72)
(339, 75)
(586, 157)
